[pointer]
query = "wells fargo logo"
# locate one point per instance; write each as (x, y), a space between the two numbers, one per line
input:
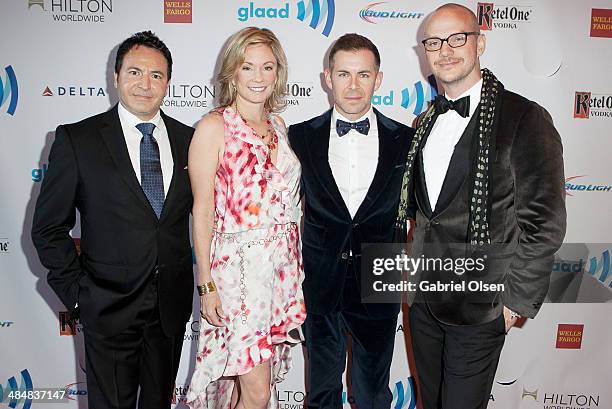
(569, 336)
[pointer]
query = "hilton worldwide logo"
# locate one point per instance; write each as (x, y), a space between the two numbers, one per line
(74, 11)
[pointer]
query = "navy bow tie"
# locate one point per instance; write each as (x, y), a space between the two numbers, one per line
(343, 127)
(461, 106)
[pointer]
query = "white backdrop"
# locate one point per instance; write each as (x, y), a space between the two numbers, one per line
(56, 66)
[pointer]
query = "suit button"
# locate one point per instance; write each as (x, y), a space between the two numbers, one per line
(344, 255)
(435, 222)
(355, 224)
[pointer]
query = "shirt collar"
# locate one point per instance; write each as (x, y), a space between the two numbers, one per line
(132, 120)
(337, 115)
(474, 94)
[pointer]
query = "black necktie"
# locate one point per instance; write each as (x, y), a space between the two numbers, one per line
(151, 178)
(462, 105)
(343, 127)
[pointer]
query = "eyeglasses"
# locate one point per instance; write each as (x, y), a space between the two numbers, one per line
(453, 41)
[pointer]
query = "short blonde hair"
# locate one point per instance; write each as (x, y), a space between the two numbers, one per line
(233, 56)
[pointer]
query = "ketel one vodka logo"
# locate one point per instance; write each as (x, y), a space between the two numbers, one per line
(492, 16)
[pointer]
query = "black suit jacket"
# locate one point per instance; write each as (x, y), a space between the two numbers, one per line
(122, 242)
(527, 212)
(330, 233)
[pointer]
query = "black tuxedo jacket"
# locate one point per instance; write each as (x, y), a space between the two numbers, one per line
(122, 242)
(330, 233)
(527, 213)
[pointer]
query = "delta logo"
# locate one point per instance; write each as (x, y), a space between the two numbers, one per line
(376, 12)
(588, 104)
(9, 90)
(415, 98)
(572, 187)
(74, 11)
(314, 13)
(178, 11)
(601, 23)
(569, 336)
(498, 16)
(74, 91)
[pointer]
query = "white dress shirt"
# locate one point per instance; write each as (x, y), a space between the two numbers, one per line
(353, 159)
(133, 137)
(440, 145)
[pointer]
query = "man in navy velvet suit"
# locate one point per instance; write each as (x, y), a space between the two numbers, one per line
(353, 159)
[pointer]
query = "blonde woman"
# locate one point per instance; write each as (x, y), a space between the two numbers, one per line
(245, 182)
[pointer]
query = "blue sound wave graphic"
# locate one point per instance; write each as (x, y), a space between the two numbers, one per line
(603, 265)
(9, 88)
(26, 385)
(404, 396)
(419, 95)
(318, 11)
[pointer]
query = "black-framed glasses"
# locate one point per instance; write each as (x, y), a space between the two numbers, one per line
(453, 41)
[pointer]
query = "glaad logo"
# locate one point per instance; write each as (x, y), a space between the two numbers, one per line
(369, 15)
(39, 173)
(416, 98)
(587, 104)
(76, 11)
(603, 265)
(502, 16)
(326, 11)
(314, 13)
(9, 88)
(404, 396)
(26, 386)
(572, 187)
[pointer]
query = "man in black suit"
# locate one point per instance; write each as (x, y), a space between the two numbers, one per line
(484, 177)
(352, 158)
(132, 285)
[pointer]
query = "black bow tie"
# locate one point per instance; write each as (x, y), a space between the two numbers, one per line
(342, 127)
(462, 105)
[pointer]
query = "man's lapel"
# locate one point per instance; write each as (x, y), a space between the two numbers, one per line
(318, 149)
(388, 157)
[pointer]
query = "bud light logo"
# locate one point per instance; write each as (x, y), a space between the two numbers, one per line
(572, 187)
(9, 90)
(415, 98)
(26, 386)
(404, 395)
(372, 12)
(73, 391)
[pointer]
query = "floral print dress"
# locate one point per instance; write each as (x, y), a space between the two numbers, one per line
(256, 264)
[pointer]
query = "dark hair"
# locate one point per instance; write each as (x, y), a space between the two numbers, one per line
(145, 39)
(353, 42)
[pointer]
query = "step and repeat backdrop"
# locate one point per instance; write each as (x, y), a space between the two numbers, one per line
(56, 66)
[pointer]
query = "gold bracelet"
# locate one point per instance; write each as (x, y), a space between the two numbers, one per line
(206, 288)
